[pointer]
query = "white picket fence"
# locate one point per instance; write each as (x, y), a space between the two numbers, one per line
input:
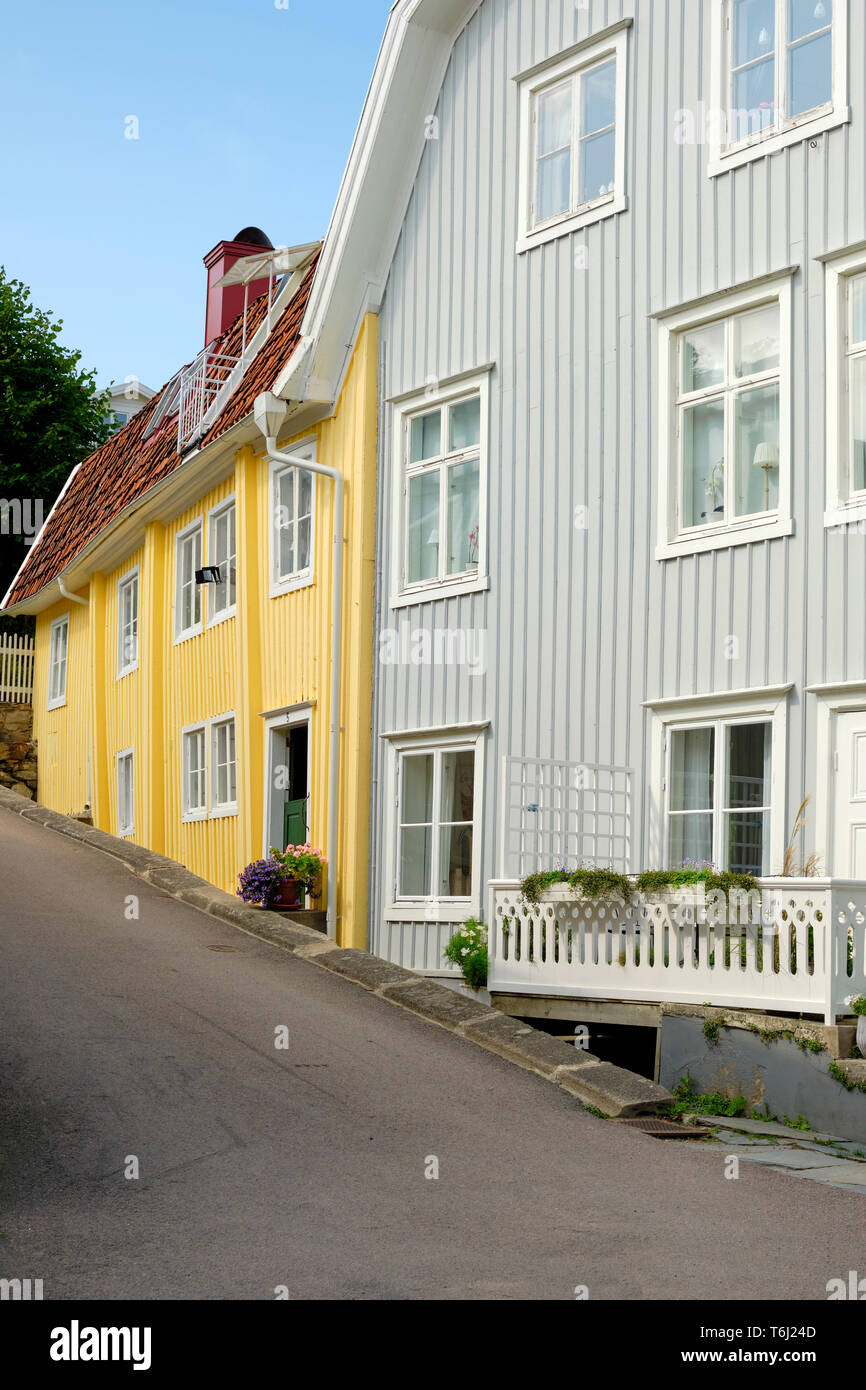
(16, 668)
(798, 946)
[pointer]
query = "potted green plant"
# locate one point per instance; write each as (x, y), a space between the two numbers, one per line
(857, 1004)
(283, 879)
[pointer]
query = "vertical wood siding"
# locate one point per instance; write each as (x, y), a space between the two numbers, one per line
(585, 626)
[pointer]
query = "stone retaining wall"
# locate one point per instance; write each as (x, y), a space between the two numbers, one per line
(17, 749)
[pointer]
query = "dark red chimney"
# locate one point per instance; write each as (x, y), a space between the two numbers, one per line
(224, 304)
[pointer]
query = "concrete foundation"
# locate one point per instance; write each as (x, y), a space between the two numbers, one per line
(776, 1074)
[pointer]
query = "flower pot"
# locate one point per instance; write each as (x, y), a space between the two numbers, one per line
(861, 1034)
(291, 894)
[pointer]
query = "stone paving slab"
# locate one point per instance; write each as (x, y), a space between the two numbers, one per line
(787, 1158)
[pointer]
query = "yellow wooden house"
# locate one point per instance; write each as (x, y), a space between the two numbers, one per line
(203, 634)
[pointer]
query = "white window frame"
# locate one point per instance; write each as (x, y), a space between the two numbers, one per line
(671, 540)
(434, 908)
(766, 704)
(125, 827)
(449, 392)
(215, 515)
(188, 812)
(843, 504)
(300, 579)
(124, 667)
(787, 131)
(609, 43)
(195, 527)
(59, 625)
(219, 809)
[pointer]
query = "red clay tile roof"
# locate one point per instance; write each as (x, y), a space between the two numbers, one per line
(127, 465)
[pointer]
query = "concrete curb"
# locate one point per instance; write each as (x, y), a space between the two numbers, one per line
(616, 1092)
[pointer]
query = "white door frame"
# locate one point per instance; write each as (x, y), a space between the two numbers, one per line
(845, 697)
(281, 721)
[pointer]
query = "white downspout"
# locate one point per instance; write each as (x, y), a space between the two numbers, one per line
(73, 598)
(311, 466)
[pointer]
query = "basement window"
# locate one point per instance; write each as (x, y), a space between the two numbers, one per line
(125, 793)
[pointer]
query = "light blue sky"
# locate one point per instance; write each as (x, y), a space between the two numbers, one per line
(246, 115)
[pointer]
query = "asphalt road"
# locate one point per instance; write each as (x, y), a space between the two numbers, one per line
(154, 1039)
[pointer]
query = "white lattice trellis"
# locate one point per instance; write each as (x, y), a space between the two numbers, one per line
(564, 813)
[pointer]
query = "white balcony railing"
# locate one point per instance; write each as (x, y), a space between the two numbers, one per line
(795, 945)
(16, 668)
(201, 387)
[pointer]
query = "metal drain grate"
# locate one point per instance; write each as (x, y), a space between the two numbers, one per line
(664, 1129)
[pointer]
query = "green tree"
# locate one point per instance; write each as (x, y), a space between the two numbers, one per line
(51, 417)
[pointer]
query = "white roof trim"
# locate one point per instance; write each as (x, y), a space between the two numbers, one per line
(376, 187)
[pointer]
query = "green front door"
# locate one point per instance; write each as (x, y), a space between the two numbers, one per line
(295, 822)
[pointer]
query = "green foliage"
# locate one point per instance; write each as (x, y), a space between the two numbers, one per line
(468, 950)
(711, 1029)
(688, 1100)
(609, 885)
(839, 1075)
(51, 416)
(588, 883)
(857, 1004)
(654, 880)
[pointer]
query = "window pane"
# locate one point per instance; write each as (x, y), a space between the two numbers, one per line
(757, 450)
(287, 551)
(805, 16)
(416, 800)
(305, 489)
(416, 851)
(810, 74)
(458, 786)
(597, 166)
(464, 424)
(748, 765)
(756, 341)
(754, 29)
(463, 517)
(703, 500)
(553, 195)
(690, 840)
(692, 769)
(425, 438)
(858, 423)
(304, 543)
(858, 309)
(703, 356)
(754, 99)
(746, 842)
(554, 119)
(423, 558)
(598, 91)
(455, 861)
(287, 496)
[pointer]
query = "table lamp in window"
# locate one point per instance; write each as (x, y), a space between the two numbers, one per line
(767, 458)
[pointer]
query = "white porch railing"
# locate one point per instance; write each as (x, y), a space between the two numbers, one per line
(200, 388)
(796, 945)
(16, 668)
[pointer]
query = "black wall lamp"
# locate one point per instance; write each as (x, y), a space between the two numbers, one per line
(209, 575)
